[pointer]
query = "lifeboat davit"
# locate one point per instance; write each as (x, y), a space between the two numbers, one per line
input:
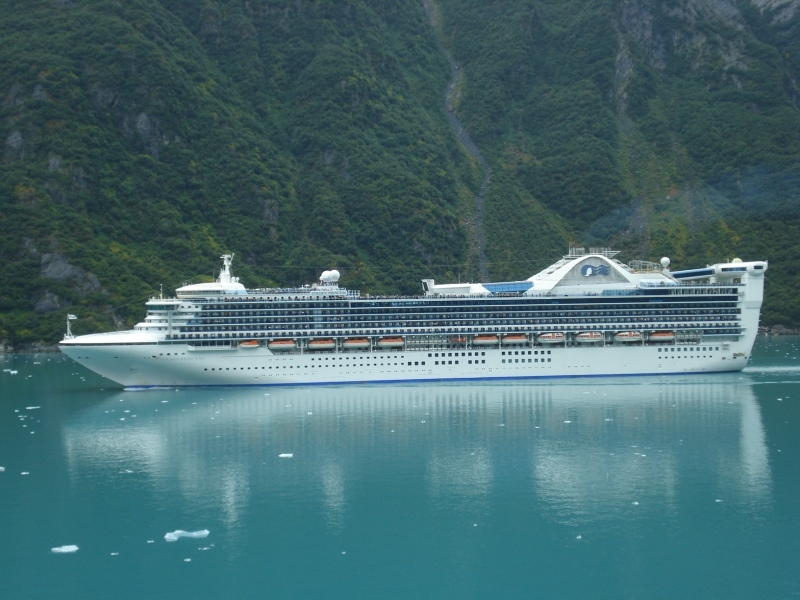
(514, 339)
(322, 344)
(628, 336)
(390, 342)
(458, 340)
(248, 344)
(662, 336)
(554, 337)
(356, 344)
(282, 345)
(485, 340)
(589, 337)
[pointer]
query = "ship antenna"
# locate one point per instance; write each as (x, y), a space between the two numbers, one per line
(69, 334)
(161, 285)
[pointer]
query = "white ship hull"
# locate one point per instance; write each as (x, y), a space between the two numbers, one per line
(645, 323)
(142, 366)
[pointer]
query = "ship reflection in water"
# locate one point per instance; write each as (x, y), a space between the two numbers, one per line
(577, 451)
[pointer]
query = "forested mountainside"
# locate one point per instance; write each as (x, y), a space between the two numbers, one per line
(144, 138)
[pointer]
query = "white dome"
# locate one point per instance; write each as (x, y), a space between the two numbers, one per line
(329, 276)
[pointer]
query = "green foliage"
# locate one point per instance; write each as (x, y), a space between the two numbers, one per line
(143, 138)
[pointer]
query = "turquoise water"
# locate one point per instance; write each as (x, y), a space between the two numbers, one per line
(641, 487)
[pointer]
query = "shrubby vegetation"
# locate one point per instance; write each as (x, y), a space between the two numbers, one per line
(144, 138)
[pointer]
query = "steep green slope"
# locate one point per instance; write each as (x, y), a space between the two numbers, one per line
(661, 128)
(143, 138)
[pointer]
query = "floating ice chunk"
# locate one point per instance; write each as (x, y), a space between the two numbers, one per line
(718, 500)
(186, 559)
(310, 413)
(115, 554)
(35, 407)
(2, 469)
(64, 549)
(567, 421)
(285, 455)
(150, 541)
(578, 538)
(635, 503)
(6, 370)
(179, 533)
(13, 372)
(25, 473)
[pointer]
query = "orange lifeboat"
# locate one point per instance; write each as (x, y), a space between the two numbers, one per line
(485, 340)
(460, 340)
(356, 344)
(515, 339)
(282, 345)
(554, 337)
(628, 336)
(322, 344)
(589, 337)
(391, 342)
(662, 336)
(248, 344)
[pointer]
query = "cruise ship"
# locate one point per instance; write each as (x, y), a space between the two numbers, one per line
(588, 314)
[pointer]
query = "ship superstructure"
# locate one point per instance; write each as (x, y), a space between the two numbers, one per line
(587, 314)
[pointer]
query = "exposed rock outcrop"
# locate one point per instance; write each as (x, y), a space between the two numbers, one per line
(55, 266)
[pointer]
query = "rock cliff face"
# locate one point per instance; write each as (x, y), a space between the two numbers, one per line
(142, 139)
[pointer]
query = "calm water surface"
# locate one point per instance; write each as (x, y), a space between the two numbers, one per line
(641, 487)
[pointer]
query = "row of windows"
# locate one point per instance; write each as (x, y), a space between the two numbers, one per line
(689, 349)
(339, 365)
(516, 360)
(343, 315)
(708, 295)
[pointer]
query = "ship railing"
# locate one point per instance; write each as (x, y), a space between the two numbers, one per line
(682, 284)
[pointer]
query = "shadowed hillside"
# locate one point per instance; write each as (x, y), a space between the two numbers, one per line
(143, 138)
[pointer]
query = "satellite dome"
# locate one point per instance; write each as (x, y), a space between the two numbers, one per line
(736, 261)
(329, 276)
(665, 262)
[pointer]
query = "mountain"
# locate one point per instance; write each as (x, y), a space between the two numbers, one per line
(392, 140)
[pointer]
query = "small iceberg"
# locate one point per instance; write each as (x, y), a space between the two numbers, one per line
(173, 537)
(64, 549)
(285, 455)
